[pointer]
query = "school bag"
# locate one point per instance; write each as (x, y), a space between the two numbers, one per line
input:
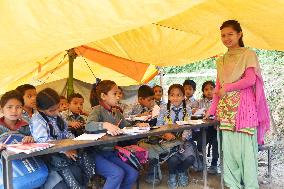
(141, 153)
(190, 149)
(27, 172)
(134, 155)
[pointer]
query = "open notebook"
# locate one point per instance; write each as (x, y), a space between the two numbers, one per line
(28, 148)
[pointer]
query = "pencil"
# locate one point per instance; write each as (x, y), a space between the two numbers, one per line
(7, 139)
(119, 122)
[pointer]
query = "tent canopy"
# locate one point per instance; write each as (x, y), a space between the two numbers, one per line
(122, 40)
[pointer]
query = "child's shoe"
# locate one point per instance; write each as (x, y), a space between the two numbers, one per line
(183, 179)
(172, 181)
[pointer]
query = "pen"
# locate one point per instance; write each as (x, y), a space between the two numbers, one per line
(119, 122)
(7, 139)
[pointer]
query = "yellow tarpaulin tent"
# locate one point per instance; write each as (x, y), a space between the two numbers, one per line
(35, 34)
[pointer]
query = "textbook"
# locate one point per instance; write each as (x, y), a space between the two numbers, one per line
(28, 148)
(190, 122)
(135, 130)
(86, 136)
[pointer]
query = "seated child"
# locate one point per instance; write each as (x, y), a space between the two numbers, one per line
(158, 94)
(190, 88)
(76, 122)
(178, 164)
(107, 117)
(144, 106)
(121, 105)
(211, 132)
(28, 93)
(63, 104)
(75, 167)
(12, 107)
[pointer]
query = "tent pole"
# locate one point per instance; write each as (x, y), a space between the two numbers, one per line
(71, 57)
(161, 74)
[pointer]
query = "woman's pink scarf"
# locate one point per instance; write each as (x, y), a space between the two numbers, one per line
(245, 119)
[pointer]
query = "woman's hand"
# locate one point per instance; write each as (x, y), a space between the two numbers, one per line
(169, 136)
(28, 139)
(71, 154)
(112, 129)
(221, 92)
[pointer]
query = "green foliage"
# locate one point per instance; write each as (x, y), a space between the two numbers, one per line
(193, 67)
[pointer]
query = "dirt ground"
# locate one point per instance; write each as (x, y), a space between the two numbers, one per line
(196, 181)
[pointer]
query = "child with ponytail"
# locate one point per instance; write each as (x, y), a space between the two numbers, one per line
(107, 117)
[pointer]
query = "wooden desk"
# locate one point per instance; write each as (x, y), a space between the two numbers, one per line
(69, 144)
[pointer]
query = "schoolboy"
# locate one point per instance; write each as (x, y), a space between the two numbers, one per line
(190, 88)
(145, 103)
(28, 93)
(75, 118)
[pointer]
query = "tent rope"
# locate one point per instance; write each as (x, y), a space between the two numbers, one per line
(55, 68)
(89, 68)
(169, 27)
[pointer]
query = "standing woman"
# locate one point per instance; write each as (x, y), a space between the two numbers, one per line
(240, 105)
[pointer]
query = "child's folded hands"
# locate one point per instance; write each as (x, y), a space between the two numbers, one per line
(142, 125)
(144, 114)
(169, 136)
(75, 124)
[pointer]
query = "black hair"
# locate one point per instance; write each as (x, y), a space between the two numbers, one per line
(104, 87)
(11, 95)
(47, 98)
(158, 87)
(180, 87)
(74, 95)
(119, 87)
(23, 88)
(94, 100)
(205, 84)
(191, 83)
(145, 91)
(44, 100)
(236, 26)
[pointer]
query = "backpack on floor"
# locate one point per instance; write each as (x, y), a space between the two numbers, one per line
(27, 172)
(128, 157)
(141, 153)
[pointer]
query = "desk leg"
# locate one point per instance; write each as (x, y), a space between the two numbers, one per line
(204, 157)
(7, 173)
(221, 159)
